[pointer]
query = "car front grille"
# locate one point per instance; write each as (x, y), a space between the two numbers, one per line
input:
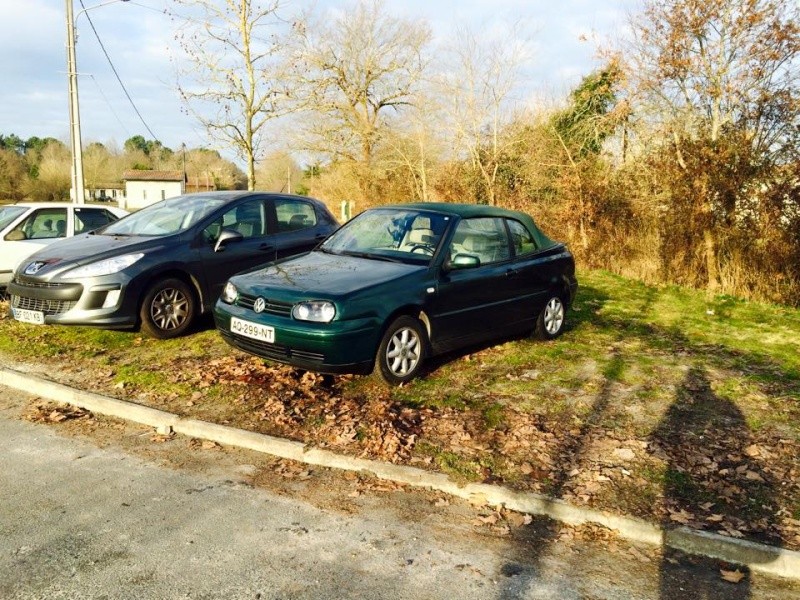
(272, 307)
(48, 307)
(43, 284)
(275, 352)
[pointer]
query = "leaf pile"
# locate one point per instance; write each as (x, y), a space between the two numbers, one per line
(51, 412)
(700, 468)
(310, 407)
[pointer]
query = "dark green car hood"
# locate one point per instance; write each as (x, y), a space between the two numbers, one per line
(318, 275)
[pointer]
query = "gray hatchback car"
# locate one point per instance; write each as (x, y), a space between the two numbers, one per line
(164, 265)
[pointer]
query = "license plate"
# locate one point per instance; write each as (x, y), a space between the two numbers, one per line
(29, 316)
(252, 330)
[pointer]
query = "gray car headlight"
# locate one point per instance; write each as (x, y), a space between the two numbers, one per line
(104, 267)
(229, 293)
(318, 311)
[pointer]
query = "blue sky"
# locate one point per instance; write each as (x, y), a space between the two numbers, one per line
(138, 36)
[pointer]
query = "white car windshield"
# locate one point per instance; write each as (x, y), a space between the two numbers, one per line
(390, 234)
(166, 217)
(8, 214)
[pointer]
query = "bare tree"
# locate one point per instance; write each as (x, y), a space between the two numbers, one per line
(52, 179)
(233, 82)
(358, 69)
(705, 70)
(279, 172)
(710, 64)
(481, 80)
(418, 143)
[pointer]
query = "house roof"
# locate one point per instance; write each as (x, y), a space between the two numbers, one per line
(140, 175)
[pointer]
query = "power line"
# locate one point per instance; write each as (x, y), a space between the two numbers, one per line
(110, 106)
(119, 79)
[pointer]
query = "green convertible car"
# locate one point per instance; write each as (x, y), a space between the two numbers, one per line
(398, 284)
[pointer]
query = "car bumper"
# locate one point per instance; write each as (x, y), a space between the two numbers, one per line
(103, 301)
(336, 347)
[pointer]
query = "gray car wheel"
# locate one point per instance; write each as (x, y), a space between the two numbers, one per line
(168, 309)
(551, 320)
(402, 351)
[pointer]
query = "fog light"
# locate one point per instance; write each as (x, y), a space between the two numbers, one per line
(111, 299)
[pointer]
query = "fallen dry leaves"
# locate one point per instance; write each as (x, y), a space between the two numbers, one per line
(727, 480)
(732, 576)
(51, 412)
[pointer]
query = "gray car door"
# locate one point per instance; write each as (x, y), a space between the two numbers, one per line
(249, 218)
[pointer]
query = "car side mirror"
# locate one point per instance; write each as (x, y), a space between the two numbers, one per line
(225, 237)
(16, 236)
(462, 261)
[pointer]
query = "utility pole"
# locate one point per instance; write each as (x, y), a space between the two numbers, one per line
(77, 191)
(183, 181)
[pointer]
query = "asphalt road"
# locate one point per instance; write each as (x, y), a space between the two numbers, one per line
(82, 521)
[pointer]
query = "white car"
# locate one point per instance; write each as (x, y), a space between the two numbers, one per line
(30, 226)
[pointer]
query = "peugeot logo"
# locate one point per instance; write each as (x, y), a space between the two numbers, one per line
(259, 305)
(33, 268)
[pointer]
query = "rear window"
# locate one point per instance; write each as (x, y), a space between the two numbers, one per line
(89, 219)
(521, 239)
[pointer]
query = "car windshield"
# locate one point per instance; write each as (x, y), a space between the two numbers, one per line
(401, 235)
(9, 213)
(166, 217)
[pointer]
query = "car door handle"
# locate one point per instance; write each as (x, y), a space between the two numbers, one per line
(511, 273)
(266, 247)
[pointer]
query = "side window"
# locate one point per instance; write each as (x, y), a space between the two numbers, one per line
(294, 214)
(246, 218)
(484, 238)
(89, 219)
(44, 223)
(521, 238)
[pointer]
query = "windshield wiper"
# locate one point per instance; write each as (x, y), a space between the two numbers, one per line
(370, 256)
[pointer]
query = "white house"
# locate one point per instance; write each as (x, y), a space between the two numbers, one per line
(143, 188)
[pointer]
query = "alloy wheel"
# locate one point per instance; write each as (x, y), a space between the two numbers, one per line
(554, 316)
(403, 351)
(169, 309)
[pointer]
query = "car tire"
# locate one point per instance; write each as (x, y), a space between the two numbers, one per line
(402, 351)
(550, 322)
(168, 309)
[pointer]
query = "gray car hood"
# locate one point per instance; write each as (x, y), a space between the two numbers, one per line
(88, 248)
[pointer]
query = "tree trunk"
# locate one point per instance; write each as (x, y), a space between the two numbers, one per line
(712, 268)
(251, 172)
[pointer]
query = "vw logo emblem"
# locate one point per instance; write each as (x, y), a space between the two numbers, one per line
(259, 305)
(33, 268)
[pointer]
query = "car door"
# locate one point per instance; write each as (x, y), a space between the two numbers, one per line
(249, 218)
(296, 225)
(475, 302)
(39, 228)
(533, 274)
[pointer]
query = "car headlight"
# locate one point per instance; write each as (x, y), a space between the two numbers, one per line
(229, 293)
(104, 267)
(318, 311)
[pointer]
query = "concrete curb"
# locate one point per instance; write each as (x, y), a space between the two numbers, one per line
(758, 558)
